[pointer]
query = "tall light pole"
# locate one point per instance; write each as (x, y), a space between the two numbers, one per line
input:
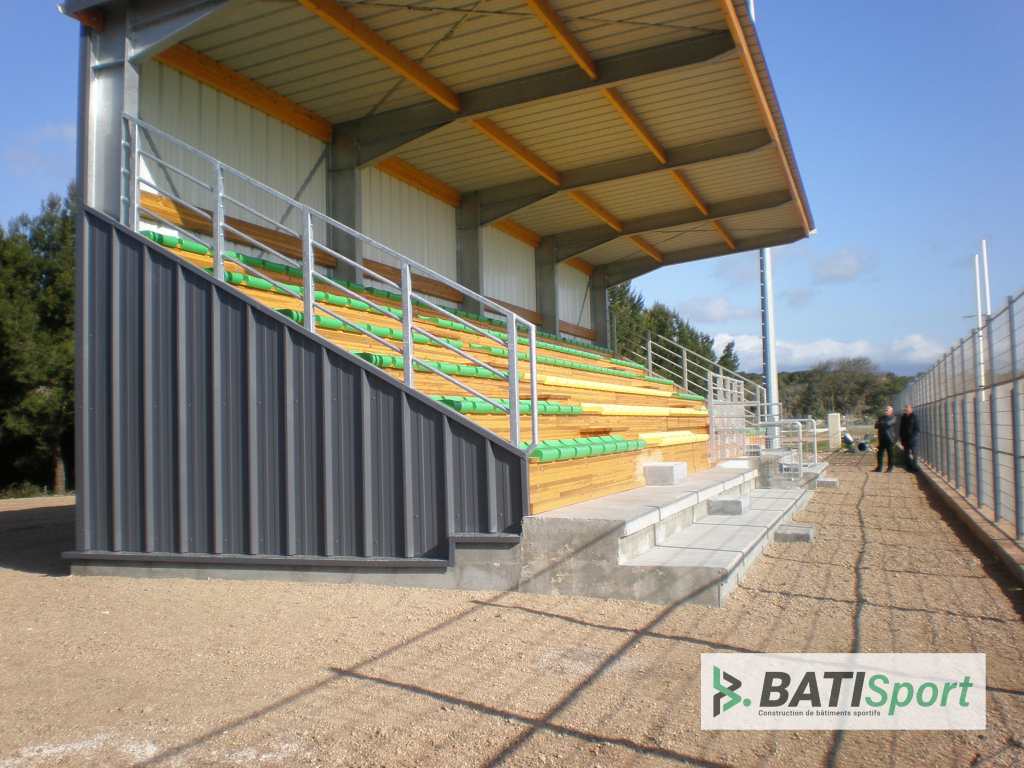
(771, 370)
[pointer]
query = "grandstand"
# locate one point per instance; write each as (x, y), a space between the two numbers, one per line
(343, 274)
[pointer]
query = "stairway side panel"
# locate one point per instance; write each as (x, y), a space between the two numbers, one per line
(426, 480)
(197, 522)
(231, 491)
(344, 433)
(270, 434)
(307, 444)
(385, 469)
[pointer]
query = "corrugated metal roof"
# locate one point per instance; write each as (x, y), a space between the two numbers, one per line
(285, 47)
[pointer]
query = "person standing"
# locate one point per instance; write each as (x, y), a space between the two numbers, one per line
(908, 437)
(887, 427)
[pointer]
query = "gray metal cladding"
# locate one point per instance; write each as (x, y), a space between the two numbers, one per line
(210, 425)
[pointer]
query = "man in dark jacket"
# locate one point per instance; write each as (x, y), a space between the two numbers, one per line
(886, 426)
(908, 437)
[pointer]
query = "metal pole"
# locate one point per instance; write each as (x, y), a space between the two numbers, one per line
(979, 398)
(1015, 409)
(993, 422)
(770, 365)
(984, 273)
(308, 291)
(650, 361)
(136, 177)
(711, 417)
(408, 351)
(513, 378)
(614, 333)
(534, 434)
(686, 373)
(218, 222)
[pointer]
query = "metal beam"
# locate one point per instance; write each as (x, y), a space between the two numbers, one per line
(629, 269)
(384, 134)
(578, 241)
(505, 199)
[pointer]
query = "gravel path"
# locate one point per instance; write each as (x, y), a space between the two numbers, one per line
(168, 672)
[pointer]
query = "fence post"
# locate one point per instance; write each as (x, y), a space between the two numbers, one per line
(218, 222)
(308, 297)
(993, 421)
(979, 399)
(946, 411)
(1015, 407)
(953, 418)
(408, 353)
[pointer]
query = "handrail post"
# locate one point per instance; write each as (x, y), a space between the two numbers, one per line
(513, 378)
(613, 333)
(711, 418)
(218, 222)
(408, 350)
(686, 372)
(535, 429)
(1015, 407)
(308, 291)
(650, 362)
(993, 418)
(135, 177)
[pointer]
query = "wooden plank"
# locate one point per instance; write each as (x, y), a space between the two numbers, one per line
(721, 230)
(635, 123)
(193, 64)
(420, 284)
(362, 35)
(527, 314)
(518, 231)
(564, 36)
(595, 208)
(690, 190)
(491, 130)
(181, 216)
(736, 29)
(91, 18)
(424, 182)
(576, 330)
(647, 248)
(580, 265)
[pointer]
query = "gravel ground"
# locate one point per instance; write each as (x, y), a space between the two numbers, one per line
(169, 672)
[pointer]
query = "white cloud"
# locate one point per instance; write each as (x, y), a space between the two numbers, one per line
(716, 310)
(798, 298)
(842, 266)
(907, 355)
(738, 270)
(46, 151)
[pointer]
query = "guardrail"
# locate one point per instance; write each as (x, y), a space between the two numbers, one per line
(266, 237)
(969, 408)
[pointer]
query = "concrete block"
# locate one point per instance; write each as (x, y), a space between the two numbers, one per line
(786, 533)
(828, 482)
(729, 505)
(665, 473)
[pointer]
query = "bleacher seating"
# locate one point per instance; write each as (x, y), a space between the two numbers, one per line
(600, 418)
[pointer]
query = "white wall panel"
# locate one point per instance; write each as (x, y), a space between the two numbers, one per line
(411, 222)
(510, 272)
(573, 296)
(244, 138)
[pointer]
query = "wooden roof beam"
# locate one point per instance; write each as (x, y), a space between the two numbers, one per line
(580, 265)
(691, 191)
(362, 35)
(721, 230)
(736, 30)
(647, 248)
(518, 231)
(192, 63)
(595, 208)
(424, 182)
(635, 123)
(491, 130)
(561, 32)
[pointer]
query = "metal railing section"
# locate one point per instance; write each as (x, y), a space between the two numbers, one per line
(970, 412)
(663, 356)
(132, 184)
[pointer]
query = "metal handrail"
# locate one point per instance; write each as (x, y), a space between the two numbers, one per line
(132, 208)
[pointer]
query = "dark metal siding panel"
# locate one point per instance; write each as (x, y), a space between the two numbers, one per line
(226, 428)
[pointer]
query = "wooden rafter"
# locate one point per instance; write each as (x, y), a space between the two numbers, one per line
(691, 191)
(518, 231)
(561, 32)
(491, 130)
(736, 30)
(193, 64)
(424, 182)
(359, 33)
(595, 208)
(90, 17)
(647, 248)
(635, 123)
(580, 265)
(721, 230)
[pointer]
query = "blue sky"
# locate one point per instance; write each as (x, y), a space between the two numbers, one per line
(907, 120)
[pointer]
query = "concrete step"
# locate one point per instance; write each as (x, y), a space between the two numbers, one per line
(577, 549)
(704, 562)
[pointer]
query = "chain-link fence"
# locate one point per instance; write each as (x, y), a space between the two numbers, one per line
(969, 410)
